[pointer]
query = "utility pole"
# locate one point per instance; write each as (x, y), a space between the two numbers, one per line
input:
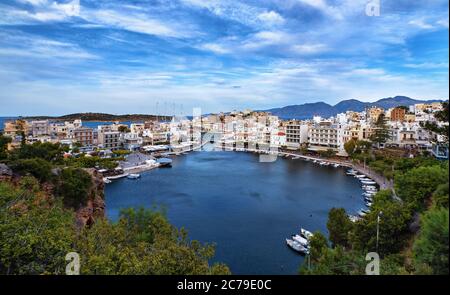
(378, 227)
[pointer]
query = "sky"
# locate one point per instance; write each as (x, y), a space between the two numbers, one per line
(168, 57)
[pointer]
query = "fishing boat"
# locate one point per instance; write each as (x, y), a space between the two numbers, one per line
(133, 176)
(297, 246)
(306, 234)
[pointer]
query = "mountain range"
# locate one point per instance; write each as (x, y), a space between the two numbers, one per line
(308, 110)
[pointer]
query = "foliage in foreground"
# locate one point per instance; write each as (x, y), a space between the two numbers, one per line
(37, 231)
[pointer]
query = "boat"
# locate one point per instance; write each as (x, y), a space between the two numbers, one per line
(369, 182)
(164, 162)
(306, 234)
(297, 246)
(299, 239)
(363, 212)
(360, 176)
(369, 204)
(106, 180)
(352, 171)
(336, 165)
(133, 176)
(368, 199)
(324, 163)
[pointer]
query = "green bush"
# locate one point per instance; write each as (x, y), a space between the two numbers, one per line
(74, 186)
(37, 167)
(431, 246)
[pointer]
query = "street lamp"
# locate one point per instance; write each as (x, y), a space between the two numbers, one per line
(378, 227)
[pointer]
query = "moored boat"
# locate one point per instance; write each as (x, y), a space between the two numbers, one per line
(301, 240)
(305, 233)
(133, 176)
(297, 246)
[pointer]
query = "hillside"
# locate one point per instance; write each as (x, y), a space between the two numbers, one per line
(308, 110)
(103, 117)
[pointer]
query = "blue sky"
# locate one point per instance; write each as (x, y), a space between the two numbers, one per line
(161, 56)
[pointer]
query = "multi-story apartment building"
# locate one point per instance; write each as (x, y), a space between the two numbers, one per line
(374, 113)
(323, 136)
(84, 136)
(137, 128)
(398, 114)
(40, 128)
(109, 140)
(296, 133)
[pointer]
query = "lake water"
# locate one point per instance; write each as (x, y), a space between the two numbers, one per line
(246, 207)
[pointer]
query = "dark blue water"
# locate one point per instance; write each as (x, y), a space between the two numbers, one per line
(5, 119)
(246, 207)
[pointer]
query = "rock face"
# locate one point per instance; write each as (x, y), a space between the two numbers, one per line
(5, 172)
(95, 207)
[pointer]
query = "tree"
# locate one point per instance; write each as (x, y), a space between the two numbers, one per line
(416, 185)
(47, 151)
(431, 247)
(35, 235)
(4, 141)
(339, 226)
(149, 244)
(381, 132)
(337, 262)
(37, 167)
(318, 244)
(350, 147)
(74, 186)
(123, 129)
(393, 227)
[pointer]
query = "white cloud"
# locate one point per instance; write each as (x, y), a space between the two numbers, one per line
(443, 22)
(309, 48)
(214, 47)
(271, 18)
(420, 23)
(427, 65)
(321, 5)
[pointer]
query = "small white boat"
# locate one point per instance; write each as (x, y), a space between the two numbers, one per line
(106, 180)
(369, 204)
(133, 176)
(297, 246)
(368, 182)
(360, 176)
(299, 239)
(336, 165)
(352, 171)
(305, 233)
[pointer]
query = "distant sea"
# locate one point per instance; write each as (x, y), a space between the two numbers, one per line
(85, 123)
(3, 120)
